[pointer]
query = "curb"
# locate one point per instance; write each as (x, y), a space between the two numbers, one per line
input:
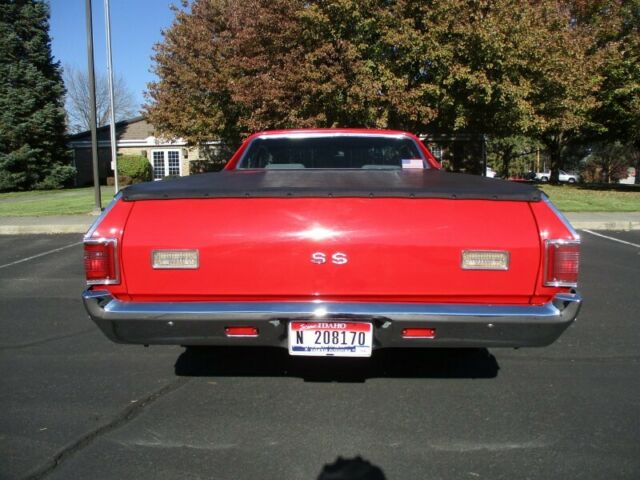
(620, 225)
(42, 229)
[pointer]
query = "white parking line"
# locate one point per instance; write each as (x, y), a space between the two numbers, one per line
(612, 238)
(39, 255)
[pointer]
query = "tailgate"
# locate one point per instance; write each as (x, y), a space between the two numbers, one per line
(375, 249)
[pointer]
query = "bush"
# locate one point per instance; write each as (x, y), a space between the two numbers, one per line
(60, 176)
(123, 181)
(136, 167)
(7, 181)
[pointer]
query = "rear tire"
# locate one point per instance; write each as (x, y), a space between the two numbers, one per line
(544, 179)
(572, 180)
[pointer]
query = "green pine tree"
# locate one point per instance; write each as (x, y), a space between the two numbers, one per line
(32, 120)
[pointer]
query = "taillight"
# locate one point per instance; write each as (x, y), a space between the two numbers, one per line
(562, 259)
(100, 261)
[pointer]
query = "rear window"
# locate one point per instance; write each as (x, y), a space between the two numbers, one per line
(365, 152)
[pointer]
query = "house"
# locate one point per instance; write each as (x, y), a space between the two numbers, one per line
(137, 137)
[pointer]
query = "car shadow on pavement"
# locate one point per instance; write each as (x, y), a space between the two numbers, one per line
(387, 363)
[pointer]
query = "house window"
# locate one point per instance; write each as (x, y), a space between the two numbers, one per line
(173, 162)
(165, 162)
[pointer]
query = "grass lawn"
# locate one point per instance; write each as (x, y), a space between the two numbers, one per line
(51, 202)
(80, 200)
(581, 198)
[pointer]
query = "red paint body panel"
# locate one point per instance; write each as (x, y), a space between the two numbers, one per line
(549, 227)
(112, 226)
(397, 249)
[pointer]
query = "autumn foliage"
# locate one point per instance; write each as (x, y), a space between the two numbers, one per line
(501, 67)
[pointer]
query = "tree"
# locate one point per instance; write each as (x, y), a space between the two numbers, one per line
(504, 150)
(228, 68)
(77, 99)
(609, 162)
(502, 67)
(618, 112)
(32, 144)
(565, 79)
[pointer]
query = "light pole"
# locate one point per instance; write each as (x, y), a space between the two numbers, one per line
(114, 153)
(92, 105)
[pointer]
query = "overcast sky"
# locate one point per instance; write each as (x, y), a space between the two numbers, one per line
(135, 28)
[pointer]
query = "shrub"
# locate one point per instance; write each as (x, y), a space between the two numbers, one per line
(123, 181)
(7, 181)
(136, 167)
(60, 176)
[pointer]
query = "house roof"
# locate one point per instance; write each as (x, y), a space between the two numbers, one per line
(105, 128)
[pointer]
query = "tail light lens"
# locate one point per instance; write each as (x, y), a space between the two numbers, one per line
(101, 262)
(562, 259)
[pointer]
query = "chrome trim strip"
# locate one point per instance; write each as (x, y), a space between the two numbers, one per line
(101, 305)
(565, 221)
(104, 213)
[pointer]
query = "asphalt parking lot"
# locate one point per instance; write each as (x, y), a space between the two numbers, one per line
(74, 405)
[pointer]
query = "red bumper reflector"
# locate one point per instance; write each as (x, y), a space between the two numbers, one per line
(418, 333)
(241, 331)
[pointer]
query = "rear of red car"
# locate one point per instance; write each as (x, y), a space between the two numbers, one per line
(329, 261)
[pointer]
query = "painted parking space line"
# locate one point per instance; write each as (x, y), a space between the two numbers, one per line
(612, 238)
(38, 255)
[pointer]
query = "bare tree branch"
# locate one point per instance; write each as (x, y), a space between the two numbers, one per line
(77, 99)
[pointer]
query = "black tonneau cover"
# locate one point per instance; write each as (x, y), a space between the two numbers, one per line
(333, 183)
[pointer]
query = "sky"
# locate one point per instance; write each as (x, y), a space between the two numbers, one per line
(135, 27)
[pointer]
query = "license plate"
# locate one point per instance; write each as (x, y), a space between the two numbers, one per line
(330, 339)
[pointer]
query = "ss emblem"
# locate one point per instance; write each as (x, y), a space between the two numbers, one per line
(337, 258)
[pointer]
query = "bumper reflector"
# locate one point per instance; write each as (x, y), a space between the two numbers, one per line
(418, 333)
(241, 331)
(179, 259)
(485, 260)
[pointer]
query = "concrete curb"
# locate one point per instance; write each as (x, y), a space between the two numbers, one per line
(620, 225)
(42, 229)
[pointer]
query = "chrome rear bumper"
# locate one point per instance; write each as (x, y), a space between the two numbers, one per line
(203, 323)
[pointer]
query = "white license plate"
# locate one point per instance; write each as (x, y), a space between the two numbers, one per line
(330, 339)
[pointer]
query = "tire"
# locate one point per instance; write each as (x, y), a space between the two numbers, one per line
(572, 180)
(544, 179)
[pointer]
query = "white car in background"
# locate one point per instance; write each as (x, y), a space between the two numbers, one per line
(564, 177)
(490, 173)
(631, 177)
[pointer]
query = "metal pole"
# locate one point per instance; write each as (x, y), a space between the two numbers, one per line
(92, 105)
(114, 153)
(484, 155)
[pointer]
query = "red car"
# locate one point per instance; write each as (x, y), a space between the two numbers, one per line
(332, 243)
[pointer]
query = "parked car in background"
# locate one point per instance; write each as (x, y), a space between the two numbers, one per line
(564, 177)
(490, 173)
(332, 243)
(630, 179)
